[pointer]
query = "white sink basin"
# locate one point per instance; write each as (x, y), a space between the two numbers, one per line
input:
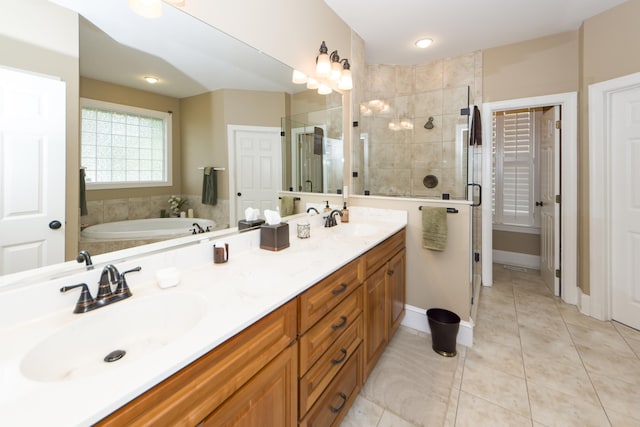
(137, 326)
(354, 230)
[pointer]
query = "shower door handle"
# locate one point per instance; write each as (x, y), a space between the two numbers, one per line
(479, 194)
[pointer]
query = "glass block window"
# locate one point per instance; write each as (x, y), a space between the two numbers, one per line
(123, 146)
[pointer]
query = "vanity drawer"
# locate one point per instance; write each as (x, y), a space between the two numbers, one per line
(325, 369)
(321, 298)
(322, 336)
(334, 403)
(377, 256)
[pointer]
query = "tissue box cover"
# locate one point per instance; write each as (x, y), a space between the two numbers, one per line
(274, 237)
(245, 224)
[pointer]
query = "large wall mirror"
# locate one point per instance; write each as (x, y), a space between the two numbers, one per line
(208, 80)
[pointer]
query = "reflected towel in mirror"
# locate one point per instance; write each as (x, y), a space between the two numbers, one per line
(209, 186)
(286, 205)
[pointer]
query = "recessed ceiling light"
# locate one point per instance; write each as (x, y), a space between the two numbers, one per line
(151, 80)
(424, 43)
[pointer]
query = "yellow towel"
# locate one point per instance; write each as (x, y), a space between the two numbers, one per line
(286, 206)
(434, 228)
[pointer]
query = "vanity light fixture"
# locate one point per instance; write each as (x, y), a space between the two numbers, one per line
(330, 72)
(151, 80)
(424, 43)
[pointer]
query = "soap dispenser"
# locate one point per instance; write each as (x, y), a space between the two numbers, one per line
(327, 208)
(345, 213)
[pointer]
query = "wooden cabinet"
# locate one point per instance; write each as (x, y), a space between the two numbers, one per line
(395, 285)
(375, 334)
(303, 364)
(384, 297)
(268, 399)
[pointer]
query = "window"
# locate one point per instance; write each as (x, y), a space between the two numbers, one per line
(123, 146)
(514, 168)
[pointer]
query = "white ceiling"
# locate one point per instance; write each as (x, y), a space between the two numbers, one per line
(390, 28)
(187, 55)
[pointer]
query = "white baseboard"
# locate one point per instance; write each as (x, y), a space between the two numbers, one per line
(416, 318)
(517, 259)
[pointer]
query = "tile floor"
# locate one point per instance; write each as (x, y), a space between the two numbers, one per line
(536, 361)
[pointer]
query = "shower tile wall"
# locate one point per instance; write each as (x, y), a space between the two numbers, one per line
(395, 162)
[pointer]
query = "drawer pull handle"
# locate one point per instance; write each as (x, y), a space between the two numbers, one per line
(340, 325)
(340, 290)
(390, 272)
(344, 402)
(339, 361)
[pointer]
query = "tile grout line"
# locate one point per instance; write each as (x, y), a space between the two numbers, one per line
(584, 366)
(524, 367)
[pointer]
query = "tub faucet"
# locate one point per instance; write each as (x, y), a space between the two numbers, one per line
(84, 256)
(200, 229)
(330, 220)
(313, 209)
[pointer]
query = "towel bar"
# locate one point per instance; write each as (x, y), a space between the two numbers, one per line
(449, 210)
(295, 199)
(215, 169)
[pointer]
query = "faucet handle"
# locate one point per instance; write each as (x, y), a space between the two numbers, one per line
(85, 301)
(122, 290)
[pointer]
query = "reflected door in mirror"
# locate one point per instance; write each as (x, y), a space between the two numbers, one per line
(258, 168)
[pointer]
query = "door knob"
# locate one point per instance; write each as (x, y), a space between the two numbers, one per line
(539, 203)
(239, 194)
(55, 224)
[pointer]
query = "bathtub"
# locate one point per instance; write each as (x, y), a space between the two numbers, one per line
(152, 228)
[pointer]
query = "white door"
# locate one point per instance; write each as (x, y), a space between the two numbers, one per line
(548, 208)
(258, 168)
(625, 206)
(32, 171)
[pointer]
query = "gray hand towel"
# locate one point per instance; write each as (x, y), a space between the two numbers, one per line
(209, 187)
(286, 206)
(434, 228)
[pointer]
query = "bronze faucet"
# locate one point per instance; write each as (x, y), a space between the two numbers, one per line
(330, 220)
(109, 276)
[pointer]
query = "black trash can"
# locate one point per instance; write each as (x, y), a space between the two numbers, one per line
(444, 326)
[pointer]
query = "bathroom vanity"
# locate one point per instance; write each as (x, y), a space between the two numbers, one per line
(269, 338)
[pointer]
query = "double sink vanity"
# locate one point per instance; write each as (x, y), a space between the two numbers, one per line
(268, 338)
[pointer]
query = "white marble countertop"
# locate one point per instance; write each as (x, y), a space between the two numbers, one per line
(221, 300)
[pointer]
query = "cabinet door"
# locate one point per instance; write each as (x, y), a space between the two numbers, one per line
(268, 399)
(396, 291)
(375, 320)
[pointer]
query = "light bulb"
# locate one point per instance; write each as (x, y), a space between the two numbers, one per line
(312, 83)
(298, 77)
(147, 8)
(424, 43)
(323, 62)
(324, 89)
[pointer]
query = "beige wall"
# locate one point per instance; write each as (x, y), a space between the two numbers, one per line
(522, 243)
(103, 91)
(41, 37)
(537, 67)
(204, 129)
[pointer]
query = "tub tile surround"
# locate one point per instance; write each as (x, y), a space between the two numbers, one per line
(253, 283)
(102, 211)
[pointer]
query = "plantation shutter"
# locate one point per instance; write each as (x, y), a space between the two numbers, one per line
(514, 168)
